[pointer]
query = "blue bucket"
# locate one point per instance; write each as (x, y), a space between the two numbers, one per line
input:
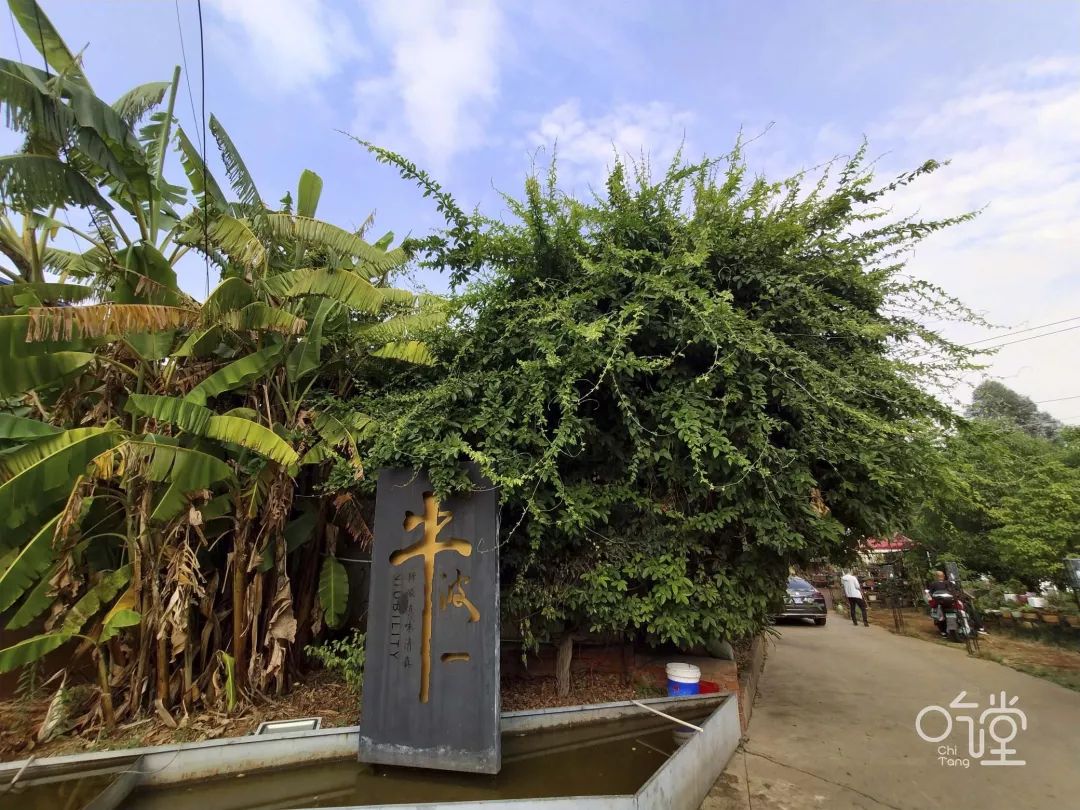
(683, 679)
(678, 688)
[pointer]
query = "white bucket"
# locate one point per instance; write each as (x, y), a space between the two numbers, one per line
(682, 679)
(683, 673)
(1037, 601)
(682, 735)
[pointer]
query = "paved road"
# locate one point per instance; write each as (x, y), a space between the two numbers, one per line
(834, 727)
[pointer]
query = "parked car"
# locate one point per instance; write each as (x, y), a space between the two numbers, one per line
(803, 601)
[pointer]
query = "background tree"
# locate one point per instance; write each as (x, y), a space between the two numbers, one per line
(992, 400)
(1006, 495)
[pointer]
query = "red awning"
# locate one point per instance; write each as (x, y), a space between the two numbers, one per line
(896, 543)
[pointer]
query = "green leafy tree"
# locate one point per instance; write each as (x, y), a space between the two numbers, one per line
(996, 401)
(682, 387)
(1004, 502)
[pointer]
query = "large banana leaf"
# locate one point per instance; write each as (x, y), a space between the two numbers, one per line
(410, 351)
(39, 182)
(27, 566)
(20, 428)
(147, 278)
(200, 343)
(36, 474)
(299, 530)
(151, 346)
(348, 288)
(315, 232)
(183, 469)
(30, 650)
(14, 343)
(307, 193)
(198, 174)
(231, 294)
(201, 421)
(187, 415)
(261, 317)
(105, 320)
(44, 36)
(94, 600)
(139, 100)
(253, 436)
(35, 293)
(34, 605)
(233, 237)
(22, 374)
(235, 168)
(333, 591)
(304, 357)
(403, 327)
(75, 265)
(239, 372)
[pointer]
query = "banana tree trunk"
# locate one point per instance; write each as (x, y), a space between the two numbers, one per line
(107, 713)
(239, 582)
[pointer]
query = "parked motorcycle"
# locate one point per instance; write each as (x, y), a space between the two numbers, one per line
(947, 607)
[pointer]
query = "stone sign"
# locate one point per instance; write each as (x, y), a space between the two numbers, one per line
(431, 672)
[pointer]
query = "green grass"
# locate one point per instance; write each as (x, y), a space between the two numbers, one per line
(1070, 679)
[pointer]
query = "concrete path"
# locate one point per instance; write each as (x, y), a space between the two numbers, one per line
(834, 727)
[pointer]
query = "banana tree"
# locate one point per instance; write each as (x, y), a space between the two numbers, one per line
(149, 433)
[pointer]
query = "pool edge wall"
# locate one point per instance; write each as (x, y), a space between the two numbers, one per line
(682, 782)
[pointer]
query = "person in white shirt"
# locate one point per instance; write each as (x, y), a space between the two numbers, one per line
(853, 592)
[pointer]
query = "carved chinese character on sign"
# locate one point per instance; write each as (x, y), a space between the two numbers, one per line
(431, 680)
(427, 548)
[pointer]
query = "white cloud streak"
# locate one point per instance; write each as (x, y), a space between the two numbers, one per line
(1013, 139)
(441, 77)
(286, 45)
(588, 146)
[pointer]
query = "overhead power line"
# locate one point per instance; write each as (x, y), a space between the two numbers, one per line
(206, 197)
(1034, 337)
(14, 33)
(187, 73)
(1056, 399)
(1023, 331)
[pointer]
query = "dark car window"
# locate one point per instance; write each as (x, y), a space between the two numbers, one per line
(799, 584)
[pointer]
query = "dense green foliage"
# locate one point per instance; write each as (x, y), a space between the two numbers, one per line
(1006, 502)
(174, 477)
(344, 657)
(682, 387)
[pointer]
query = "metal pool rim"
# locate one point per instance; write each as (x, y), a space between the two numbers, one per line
(689, 772)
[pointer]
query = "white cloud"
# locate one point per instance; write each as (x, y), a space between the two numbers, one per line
(291, 44)
(1013, 138)
(587, 146)
(441, 79)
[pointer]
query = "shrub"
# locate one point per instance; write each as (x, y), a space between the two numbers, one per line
(344, 656)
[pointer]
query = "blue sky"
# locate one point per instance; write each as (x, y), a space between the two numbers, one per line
(471, 89)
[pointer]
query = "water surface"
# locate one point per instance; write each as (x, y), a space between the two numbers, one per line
(614, 757)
